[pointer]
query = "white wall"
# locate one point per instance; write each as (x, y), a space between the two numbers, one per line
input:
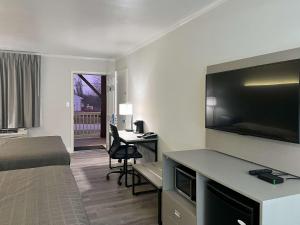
(166, 78)
(56, 92)
(123, 121)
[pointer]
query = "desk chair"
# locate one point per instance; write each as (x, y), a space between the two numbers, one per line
(122, 152)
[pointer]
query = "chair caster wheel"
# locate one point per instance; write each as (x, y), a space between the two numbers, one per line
(107, 177)
(119, 183)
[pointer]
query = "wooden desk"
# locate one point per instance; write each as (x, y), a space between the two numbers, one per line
(132, 138)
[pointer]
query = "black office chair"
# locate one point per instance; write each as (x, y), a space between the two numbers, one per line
(122, 152)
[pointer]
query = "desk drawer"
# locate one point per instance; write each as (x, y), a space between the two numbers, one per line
(167, 220)
(177, 210)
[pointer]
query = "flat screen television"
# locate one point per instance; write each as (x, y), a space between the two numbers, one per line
(260, 101)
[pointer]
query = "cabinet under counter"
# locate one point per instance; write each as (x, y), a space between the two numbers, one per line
(274, 201)
(177, 210)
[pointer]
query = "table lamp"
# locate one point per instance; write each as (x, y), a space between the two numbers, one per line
(126, 110)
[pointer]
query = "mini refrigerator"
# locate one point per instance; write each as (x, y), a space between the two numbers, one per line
(224, 206)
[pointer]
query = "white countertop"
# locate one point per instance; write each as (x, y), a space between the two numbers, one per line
(233, 173)
(131, 136)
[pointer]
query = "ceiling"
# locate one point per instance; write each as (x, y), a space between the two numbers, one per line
(88, 28)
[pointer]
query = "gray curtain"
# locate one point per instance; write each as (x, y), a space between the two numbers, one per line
(19, 90)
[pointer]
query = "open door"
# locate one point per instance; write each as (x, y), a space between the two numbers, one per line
(111, 109)
(122, 87)
(116, 93)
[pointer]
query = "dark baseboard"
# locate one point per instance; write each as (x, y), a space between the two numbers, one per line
(82, 148)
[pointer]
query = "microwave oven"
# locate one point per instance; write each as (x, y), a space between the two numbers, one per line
(185, 182)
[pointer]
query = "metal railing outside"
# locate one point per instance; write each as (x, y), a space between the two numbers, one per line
(87, 124)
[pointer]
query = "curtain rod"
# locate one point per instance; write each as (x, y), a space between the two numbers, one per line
(19, 52)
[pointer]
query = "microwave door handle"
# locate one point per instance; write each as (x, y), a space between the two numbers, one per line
(185, 173)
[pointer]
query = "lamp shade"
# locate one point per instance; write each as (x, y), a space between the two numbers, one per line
(125, 109)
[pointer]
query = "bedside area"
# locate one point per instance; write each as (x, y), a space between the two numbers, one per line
(267, 204)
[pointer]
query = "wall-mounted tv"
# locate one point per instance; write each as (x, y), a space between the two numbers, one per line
(260, 101)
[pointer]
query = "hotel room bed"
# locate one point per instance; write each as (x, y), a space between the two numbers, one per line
(46, 195)
(29, 152)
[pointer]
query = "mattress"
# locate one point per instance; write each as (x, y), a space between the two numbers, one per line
(30, 152)
(40, 196)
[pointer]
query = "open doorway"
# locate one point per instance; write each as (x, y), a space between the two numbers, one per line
(89, 111)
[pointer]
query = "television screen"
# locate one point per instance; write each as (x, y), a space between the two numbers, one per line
(260, 101)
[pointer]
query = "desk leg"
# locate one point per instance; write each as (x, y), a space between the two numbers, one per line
(133, 182)
(109, 162)
(109, 140)
(126, 172)
(159, 206)
(155, 148)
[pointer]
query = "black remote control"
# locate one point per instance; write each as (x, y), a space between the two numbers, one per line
(260, 171)
(273, 179)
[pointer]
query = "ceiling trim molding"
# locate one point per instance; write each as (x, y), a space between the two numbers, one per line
(56, 55)
(175, 26)
(76, 57)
